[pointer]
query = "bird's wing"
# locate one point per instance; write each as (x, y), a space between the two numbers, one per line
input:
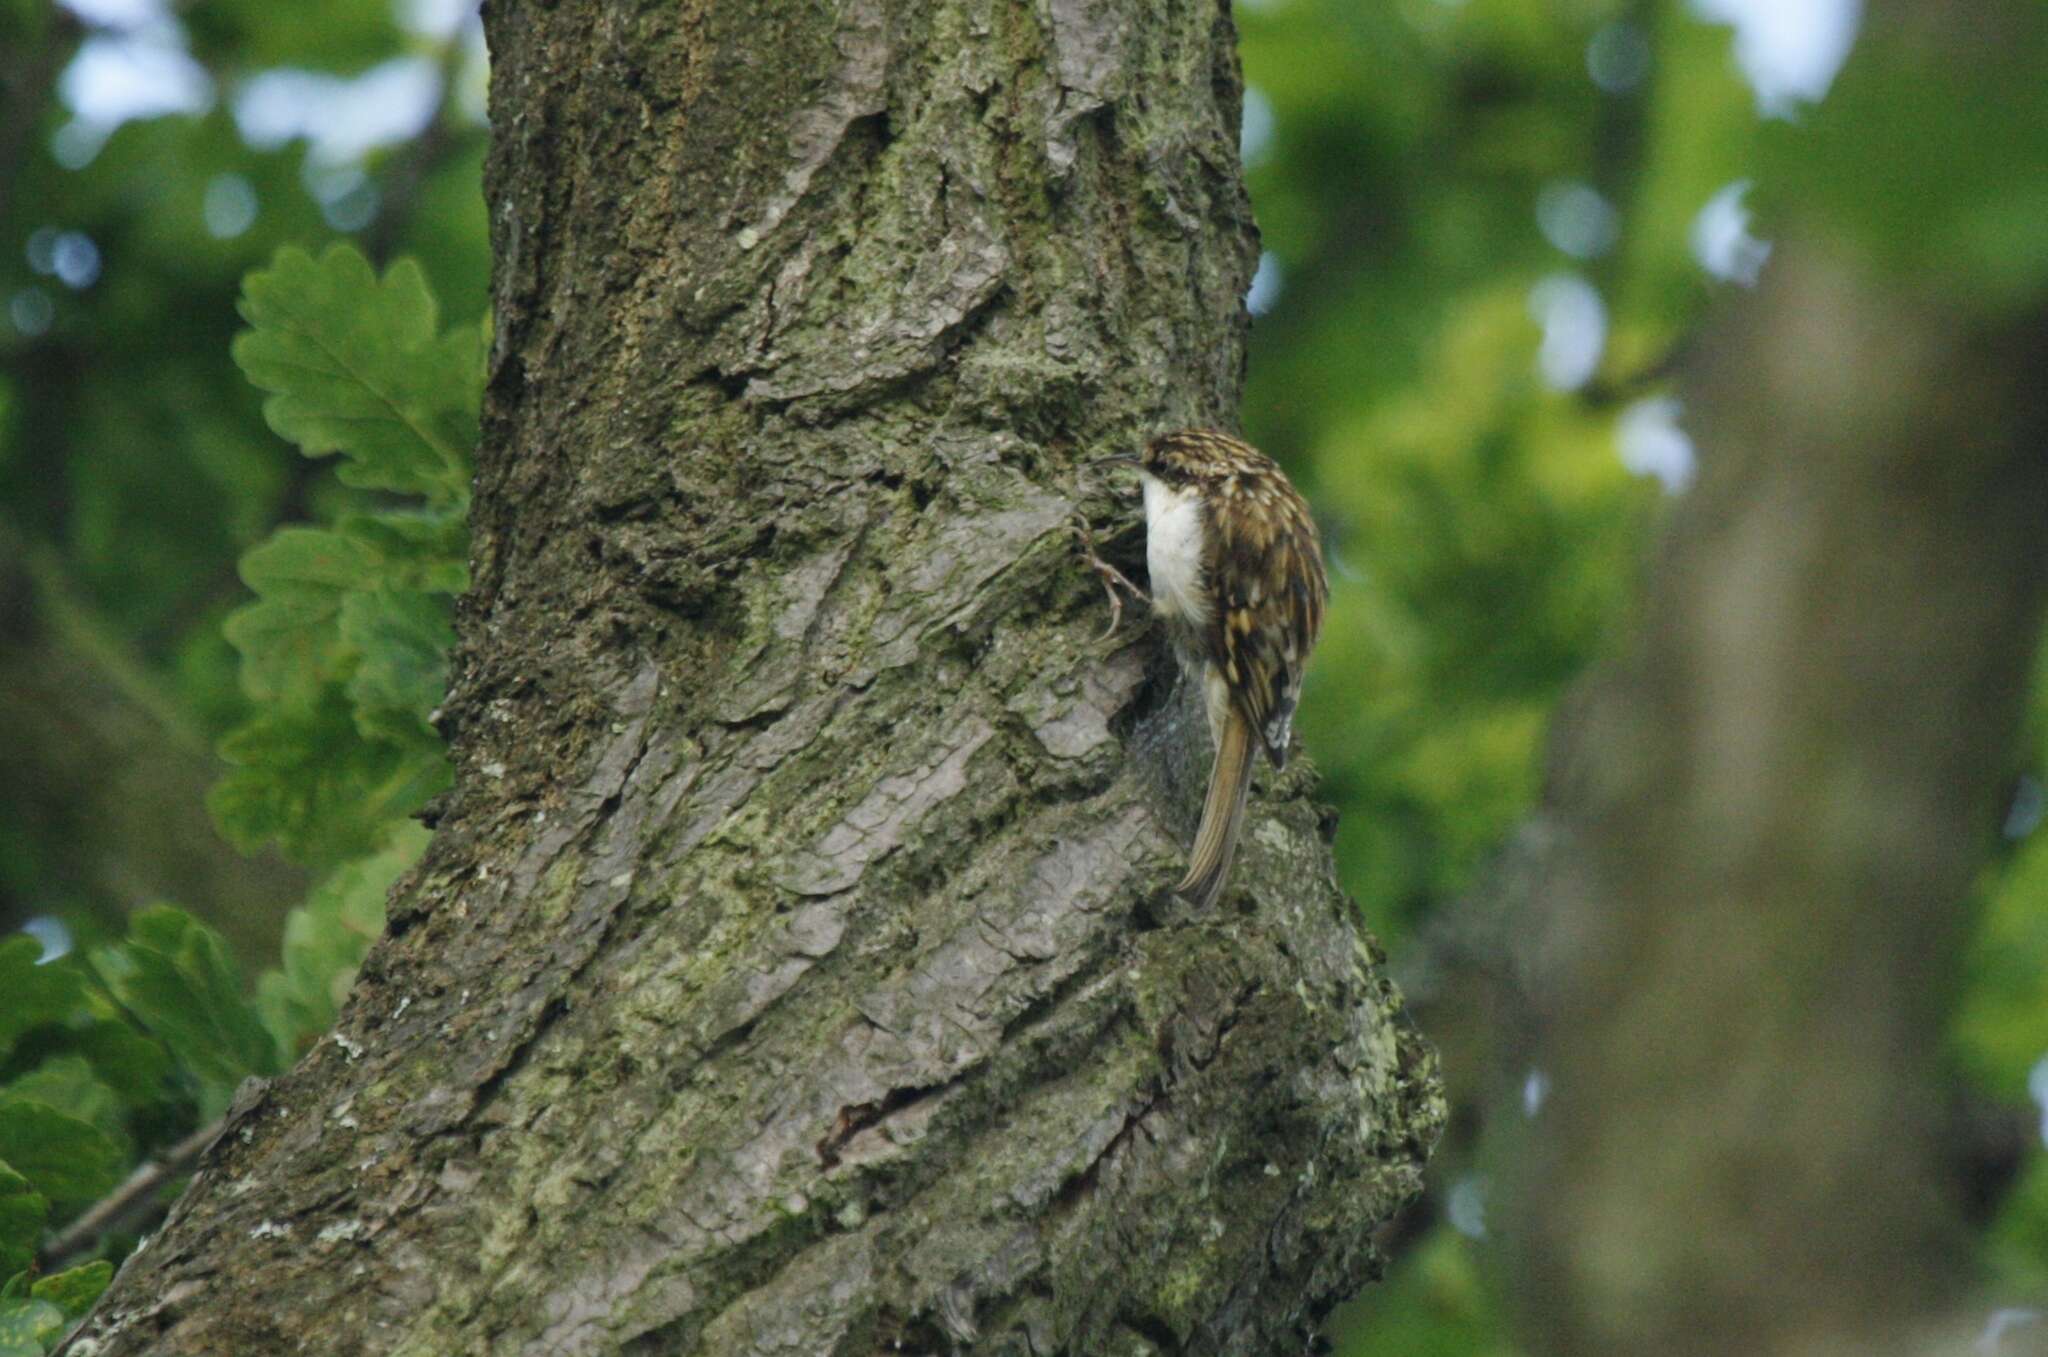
(1266, 571)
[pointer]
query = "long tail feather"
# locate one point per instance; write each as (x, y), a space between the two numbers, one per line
(1230, 779)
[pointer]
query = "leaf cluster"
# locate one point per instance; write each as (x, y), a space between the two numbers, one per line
(109, 1056)
(344, 652)
(104, 1060)
(134, 470)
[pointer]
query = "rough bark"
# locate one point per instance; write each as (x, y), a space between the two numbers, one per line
(793, 969)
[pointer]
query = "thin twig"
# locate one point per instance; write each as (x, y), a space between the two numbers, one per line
(129, 1199)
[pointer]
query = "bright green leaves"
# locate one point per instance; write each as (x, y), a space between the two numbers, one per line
(345, 649)
(76, 1081)
(290, 639)
(1484, 496)
(124, 1058)
(402, 637)
(33, 1318)
(67, 1137)
(344, 656)
(69, 1084)
(355, 365)
(74, 1291)
(118, 1052)
(124, 1050)
(173, 974)
(60, 1138)
(28, 1326)
(307, 778)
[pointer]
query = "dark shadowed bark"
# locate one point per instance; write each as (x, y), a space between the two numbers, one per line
(793, 970)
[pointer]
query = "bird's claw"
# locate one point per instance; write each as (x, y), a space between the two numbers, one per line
(1112, 578)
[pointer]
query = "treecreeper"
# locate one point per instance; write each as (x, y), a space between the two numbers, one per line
(1237, 576)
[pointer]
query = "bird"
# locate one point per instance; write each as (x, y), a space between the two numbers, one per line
(1237, 576)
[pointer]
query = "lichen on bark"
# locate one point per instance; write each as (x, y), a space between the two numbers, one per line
(793, 969)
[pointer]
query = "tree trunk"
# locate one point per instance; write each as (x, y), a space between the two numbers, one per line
(794, 970)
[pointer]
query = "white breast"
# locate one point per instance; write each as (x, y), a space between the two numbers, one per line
(1173, 551)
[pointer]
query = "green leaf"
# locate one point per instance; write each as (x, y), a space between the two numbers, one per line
(403, 638)
(308, 778)
(355, 365)
(22, 1213)
(325, 939)
(423, 549)
(289, 638)
(74, 1290)
(64, 1159)
(36, 994)
(174, 974)
(345, 649)
(68, 1084)
(29, 1326)
(131, 1064)
(293, 637)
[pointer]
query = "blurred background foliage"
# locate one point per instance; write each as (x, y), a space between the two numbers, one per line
(152, 156)
(1490, 228)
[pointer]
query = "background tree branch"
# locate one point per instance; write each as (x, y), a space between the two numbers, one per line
(1744, 945)
(1744, 930)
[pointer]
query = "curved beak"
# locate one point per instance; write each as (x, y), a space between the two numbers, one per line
(1120, 459)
